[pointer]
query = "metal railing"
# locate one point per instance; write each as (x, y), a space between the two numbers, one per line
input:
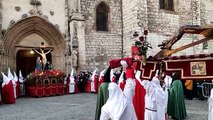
(206, 89)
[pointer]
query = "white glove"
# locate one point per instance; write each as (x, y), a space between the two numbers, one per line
(123, 63)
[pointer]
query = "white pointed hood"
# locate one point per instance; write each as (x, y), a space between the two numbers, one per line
(5, 79)
(21, 79)
(102, 74)
(121, 78)
(93, 74)
(117, 100)
(15, 77)
(10, 76)
(72, 79)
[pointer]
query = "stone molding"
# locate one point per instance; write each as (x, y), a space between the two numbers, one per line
(34, 24)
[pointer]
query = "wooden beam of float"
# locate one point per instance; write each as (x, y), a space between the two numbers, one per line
(166, 52)
(206, 31)
(24, 46)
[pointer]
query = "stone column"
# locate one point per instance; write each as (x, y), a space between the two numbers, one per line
(67, 40)
(2, 58)
(77, 32)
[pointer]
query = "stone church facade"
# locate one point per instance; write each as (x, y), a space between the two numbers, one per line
(85, 34)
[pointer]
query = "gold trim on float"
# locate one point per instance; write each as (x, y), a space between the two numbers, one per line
(151, 71)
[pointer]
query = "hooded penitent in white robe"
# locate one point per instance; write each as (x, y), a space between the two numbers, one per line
(72, 82)
(21, 81)
(210, 101)
(168, 82)
(119, 105)
(7, 90)
(94, 80)
(10, 76)
(155, 100)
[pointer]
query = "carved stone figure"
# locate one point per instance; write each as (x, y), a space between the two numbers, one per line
(75, 58)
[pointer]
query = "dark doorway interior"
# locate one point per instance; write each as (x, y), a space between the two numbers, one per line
(26, 61)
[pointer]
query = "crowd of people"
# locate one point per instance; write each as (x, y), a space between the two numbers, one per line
(123, 95)
(159, 98)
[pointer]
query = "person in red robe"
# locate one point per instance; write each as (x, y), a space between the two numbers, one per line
(7, 90)
(139, 100)
(87, 83)
(94, 81)
(18, 91)
(11, 77)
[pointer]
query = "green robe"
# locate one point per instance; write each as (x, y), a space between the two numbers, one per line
(103, 95)
(176, 103)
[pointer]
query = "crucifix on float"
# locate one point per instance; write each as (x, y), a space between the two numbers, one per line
(43, 54)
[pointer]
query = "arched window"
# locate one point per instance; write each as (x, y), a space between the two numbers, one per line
(167, 4)
(102, 11)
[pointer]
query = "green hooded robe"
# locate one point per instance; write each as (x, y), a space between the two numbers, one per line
(176, 103)
(103, 95)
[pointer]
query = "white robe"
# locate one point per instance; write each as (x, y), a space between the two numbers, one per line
(21, 80)
(72, 85)
(210, 101)
(93, 80)
(119, 106)
(155, 100)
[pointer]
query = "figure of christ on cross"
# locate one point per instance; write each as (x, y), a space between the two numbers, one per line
(43, 56)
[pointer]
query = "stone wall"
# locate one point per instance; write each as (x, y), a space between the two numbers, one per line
(13, 10)
(163, 24)
(132, 11)
(209, 18)
(102, 46)
(209, 11)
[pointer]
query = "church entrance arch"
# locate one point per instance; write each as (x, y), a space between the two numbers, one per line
(30, 32)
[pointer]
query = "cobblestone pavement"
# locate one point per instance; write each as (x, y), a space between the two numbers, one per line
(74, 107)
(196, 109)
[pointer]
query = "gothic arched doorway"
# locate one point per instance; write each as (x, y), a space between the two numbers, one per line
(18, 35)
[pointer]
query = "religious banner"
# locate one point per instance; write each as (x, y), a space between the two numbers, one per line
(198, 68)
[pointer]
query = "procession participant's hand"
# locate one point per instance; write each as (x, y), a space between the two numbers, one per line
(123, 63)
